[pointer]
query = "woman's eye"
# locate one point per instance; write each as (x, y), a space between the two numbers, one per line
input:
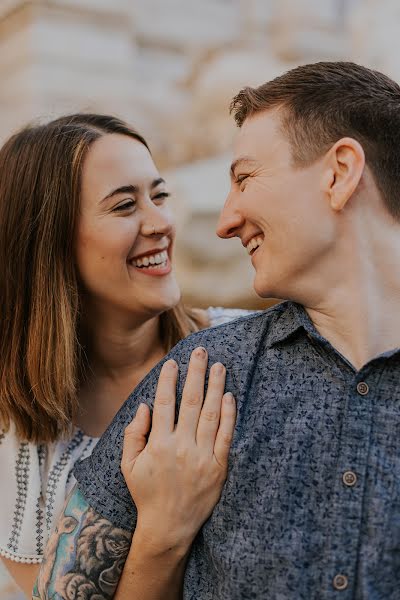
(161, 196)
(125, 206)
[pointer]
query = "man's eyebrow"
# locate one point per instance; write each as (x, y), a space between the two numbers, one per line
(245, 161)
(132, 189)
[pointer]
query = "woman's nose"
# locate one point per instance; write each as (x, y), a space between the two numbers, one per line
(157, 222)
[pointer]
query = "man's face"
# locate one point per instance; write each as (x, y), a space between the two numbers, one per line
(280, 212)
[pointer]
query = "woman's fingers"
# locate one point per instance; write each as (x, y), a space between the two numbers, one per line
(193, 395)
(135, 437)
(225, 431)
(164, 403)
(211, 411)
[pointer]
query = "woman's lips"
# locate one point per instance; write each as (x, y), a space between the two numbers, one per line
(153, 270)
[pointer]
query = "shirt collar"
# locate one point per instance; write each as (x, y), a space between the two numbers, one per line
(292, 317)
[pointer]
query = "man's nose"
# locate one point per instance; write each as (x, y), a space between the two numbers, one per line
(229, 222)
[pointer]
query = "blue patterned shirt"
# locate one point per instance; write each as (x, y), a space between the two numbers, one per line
(311, 506)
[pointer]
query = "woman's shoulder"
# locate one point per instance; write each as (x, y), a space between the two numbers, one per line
(218, 315)
(36, 480)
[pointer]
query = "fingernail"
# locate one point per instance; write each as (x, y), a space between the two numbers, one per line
(228, 398)
(218, 368)
(171, 364)
(140, 409)
(200, 352)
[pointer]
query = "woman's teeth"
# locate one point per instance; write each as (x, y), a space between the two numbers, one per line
(254, 243)
(154, 261)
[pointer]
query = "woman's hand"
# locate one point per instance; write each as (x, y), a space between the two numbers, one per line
(176, 478)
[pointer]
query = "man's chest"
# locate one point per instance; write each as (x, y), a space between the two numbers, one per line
(314, 484)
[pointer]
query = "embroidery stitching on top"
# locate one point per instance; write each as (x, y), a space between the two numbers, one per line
(55, 475)
(39, 525)
(22, 476)
(42, 453)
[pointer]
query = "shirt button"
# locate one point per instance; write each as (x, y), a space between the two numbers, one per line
(340, 582)
(349, 478)
(362, 388)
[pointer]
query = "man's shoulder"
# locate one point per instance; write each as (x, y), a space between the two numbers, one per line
(234, 337)
(237, 344)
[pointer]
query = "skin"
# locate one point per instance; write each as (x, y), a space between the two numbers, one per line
(329, 242)
(122, 304)
(90, 557)
(124, 213)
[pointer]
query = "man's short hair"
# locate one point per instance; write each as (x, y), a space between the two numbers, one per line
(325, 101)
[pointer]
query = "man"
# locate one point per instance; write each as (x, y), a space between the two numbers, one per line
(311, 507)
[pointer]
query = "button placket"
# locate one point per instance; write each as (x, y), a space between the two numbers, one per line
(355, 440)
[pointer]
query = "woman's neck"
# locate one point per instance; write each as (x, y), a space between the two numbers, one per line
(118, 359)
(113, 351)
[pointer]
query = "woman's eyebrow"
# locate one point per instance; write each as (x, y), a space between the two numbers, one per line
(157, 182)
(131, 189)
(124, 189)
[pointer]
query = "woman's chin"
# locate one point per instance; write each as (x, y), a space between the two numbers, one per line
(163, 302)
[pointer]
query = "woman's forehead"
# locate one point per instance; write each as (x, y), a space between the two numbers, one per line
(114, 157)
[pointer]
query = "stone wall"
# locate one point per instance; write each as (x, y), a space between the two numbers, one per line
(171, 69)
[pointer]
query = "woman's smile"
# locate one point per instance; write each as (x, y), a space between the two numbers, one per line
(155, 261)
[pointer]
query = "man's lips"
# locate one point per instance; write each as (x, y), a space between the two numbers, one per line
(254, 243)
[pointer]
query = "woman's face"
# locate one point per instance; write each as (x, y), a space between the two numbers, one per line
(125, 231)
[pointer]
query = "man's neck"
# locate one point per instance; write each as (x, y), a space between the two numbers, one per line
(358, 310)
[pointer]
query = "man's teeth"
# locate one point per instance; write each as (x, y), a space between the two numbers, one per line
(254, 243)
(156, 261)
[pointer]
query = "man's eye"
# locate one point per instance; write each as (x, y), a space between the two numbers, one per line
(161, 196)
(240, 179)
(125, 206)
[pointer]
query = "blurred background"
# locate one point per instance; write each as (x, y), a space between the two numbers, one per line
(170, 67)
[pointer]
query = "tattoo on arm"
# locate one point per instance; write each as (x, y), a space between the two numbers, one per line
(84, 556)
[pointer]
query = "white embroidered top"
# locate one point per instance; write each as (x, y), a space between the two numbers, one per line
(37, 479)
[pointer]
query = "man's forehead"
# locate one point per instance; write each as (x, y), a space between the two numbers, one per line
(259, 137)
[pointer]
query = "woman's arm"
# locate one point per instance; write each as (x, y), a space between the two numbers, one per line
(175, 479)
(23, 574)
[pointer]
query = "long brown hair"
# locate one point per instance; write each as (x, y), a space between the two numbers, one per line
(41, 357)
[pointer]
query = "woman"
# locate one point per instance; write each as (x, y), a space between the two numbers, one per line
(89, 305)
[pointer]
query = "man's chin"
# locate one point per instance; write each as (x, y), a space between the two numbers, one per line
(265, 289)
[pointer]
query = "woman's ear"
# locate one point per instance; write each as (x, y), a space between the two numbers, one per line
(346, 161)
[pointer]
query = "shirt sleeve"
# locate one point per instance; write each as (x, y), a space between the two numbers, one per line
(99, 477)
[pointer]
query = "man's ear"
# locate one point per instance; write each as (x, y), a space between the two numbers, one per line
(346, 163)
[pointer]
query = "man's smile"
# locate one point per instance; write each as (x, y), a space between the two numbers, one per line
(254, 243)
